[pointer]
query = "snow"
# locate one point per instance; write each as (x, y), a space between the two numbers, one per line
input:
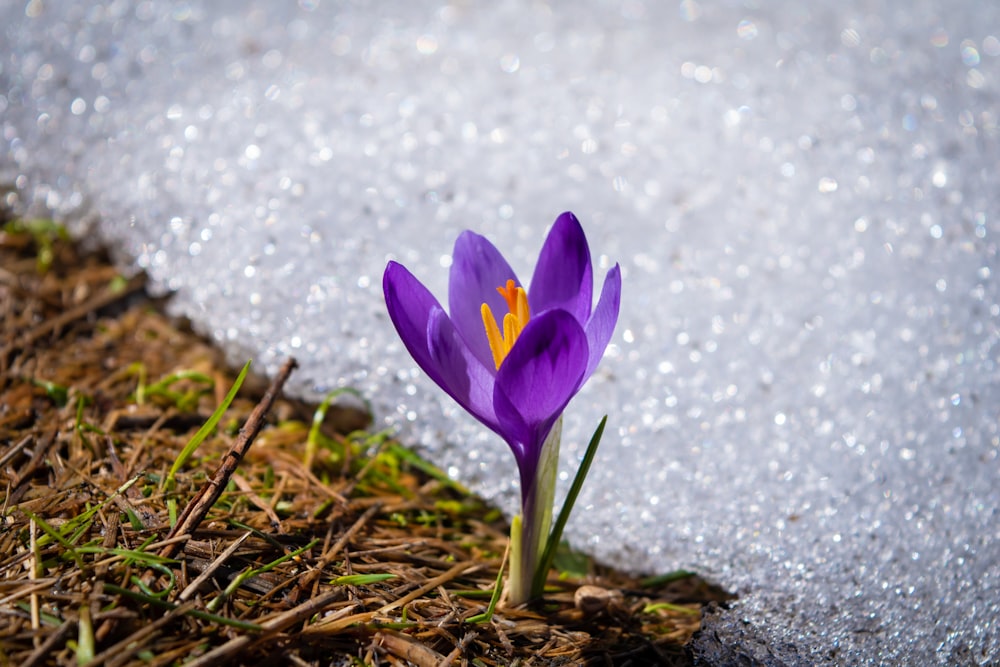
(803, 387)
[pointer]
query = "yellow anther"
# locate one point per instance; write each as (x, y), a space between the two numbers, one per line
(493, 335)
(513, 322)
(510, 331)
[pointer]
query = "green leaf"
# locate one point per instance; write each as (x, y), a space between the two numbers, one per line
(574, 490)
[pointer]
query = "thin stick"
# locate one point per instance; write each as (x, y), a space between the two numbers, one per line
(18, 487)
(213, 566)
(42, 652)
(120, 652)
(327, 556)
(15, 450)
(275, 624)
(407, 648)
(33, 574)
(205, 499)
(335, 624)
(24, 591)
(457, 570)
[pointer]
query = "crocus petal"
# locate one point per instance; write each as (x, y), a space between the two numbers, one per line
(602, 322)
(432, 341)
(535, 382)
(463, 376)
(477, 270)
(563, 276)
(410, 305)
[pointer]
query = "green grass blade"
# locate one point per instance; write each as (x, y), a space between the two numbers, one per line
(182, 400)
(129, 555)
(487, 615)
(429, 469)
(163, 604)
(248, 574)
(206, 428)
(555, 536)
(54, 534)
(314, 437)
(56, 393)
(78, 525)
(163, 385)
(649, 608)
(361, 579)
(85, 638)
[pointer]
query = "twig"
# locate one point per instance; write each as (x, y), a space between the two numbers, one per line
(457, 570)
(205, 499)
(273, 625)
(18, 487)
(120, 652)
(15, 450)
(213, 566)
(406, 648)
(327, 556)
(24, 591)
(334, 624)
(44, 649)
(243, 485)
(33, 574)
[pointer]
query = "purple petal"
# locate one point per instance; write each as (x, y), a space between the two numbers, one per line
(538, 378)
(410, 305)
(563, 277)
(602, 321)
(431, 338)
(463, 376)
(477, 270)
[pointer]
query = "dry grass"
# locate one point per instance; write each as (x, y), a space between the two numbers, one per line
(326, 546)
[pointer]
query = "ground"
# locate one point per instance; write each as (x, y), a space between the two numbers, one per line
(151, 518)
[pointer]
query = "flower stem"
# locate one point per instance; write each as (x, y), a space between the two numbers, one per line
(528, 531)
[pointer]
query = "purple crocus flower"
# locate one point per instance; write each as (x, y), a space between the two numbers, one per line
(515, 377)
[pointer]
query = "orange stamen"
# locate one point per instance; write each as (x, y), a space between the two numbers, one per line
(509, 293)
(513, 322)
